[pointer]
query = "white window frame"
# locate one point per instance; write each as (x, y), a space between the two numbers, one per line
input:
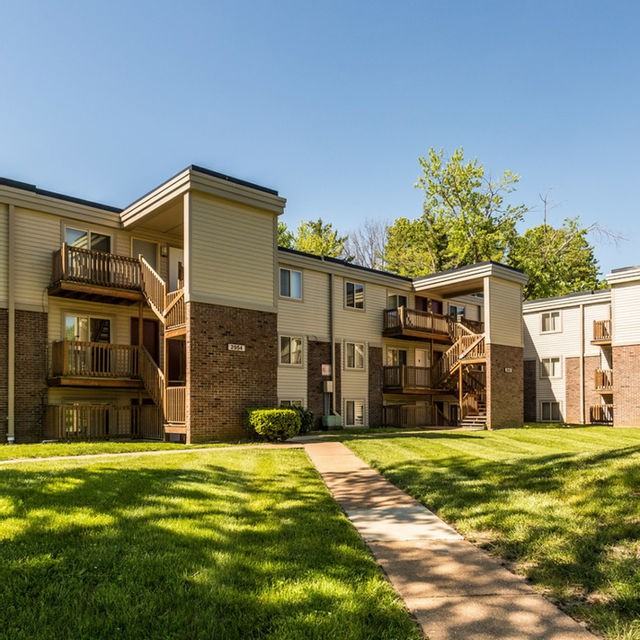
(346, 355)
(346, 413)
(364, 295)
(543, 368)
(289, 403)
(89, 316)
(558, 325)
(290, 364)
(397, 297)
(461, 310)
(290, 270)
(551, 418)
(88, 231)
(391, 350)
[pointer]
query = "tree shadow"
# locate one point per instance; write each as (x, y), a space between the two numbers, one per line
(142, 549)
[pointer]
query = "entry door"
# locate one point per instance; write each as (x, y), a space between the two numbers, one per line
(150, 337)
(421, 358)
(176, 268)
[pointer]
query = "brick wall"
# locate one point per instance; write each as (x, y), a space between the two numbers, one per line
(338, 380)
(318, 353)
(375, 386)
(591, 396)
(3, 373)
(504, 389)
(31, 375)
(530, 391)
(572, 390)
(626, 385)
(224, 383)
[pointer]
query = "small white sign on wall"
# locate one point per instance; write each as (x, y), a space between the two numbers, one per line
(235, 347)
(326, 369)
(508, 370)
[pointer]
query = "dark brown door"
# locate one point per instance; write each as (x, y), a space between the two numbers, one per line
(150, 337)
(176, 354)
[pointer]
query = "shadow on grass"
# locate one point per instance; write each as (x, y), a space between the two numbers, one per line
(570, 521)
(202, 551)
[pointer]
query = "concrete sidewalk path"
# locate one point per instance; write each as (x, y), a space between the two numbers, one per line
(454, 590)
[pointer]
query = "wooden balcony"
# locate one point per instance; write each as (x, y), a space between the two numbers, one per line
(604, 380)
(103, 421)
(94, 364)
(411, 415)
(601, 414)
(175, 410)
(175, 315)
(411, 323)
(601, 332)
(406, 379)
(94, 275)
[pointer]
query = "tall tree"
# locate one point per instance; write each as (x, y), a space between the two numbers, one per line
(285, 237)
(319, 238)
(558, 260)
(366, 245)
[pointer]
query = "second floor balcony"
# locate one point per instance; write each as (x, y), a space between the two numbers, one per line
(601, 332)
(407, 379)
(95, 275)
(402, 322)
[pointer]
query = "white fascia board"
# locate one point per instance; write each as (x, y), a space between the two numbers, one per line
(623, 276)
(564, 302)
(472, 272)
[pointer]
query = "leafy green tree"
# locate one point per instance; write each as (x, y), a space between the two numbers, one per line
(410, 249)
(319, 238)
(285, 237)
(558, 260)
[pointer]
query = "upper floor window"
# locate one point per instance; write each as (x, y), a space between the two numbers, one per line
(83, 239)
(456, 311)
(396, 357)
(551, 322)
(550, 368)
(290, 350)
(354, 357)
(291, 283)
(396, 300)
(354, 295)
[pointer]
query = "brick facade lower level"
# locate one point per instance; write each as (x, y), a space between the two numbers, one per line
(375, 386)
(505, 383)
(318, 353)
(530, 391)
(4, 342)
(223, 384)
(626, 385)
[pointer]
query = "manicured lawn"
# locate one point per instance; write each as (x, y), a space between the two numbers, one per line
(49, 449)
(561, 504)
(243, 544)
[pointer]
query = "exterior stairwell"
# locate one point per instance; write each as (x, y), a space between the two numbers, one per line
(466, 357)
(169, 307)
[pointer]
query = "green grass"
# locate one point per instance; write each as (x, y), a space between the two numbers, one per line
(561, 504)
(243, 544)
(50, 449)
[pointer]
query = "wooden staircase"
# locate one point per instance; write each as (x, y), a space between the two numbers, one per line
(169, 307)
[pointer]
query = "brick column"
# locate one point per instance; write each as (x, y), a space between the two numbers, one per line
(318, 353)
(4, 330)
(505, 382)
(221, 384)
(530, 391)
(375, 386)
(626, 385)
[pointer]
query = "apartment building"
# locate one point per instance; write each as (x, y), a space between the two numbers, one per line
(170, 317)
(582, 355)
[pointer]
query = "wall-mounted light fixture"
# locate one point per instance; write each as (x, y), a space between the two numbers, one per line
(164, 250)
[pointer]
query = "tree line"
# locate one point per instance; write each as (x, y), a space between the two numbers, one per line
(467, 217)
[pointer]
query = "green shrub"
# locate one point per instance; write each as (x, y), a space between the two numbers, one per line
(306, 419)
(275, 424)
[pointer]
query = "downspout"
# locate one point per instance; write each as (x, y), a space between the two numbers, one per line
(332, 340)
(11, 327)
(582, 407)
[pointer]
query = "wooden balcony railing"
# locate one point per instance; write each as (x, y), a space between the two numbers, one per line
(175, 313)
(407, 415)
(602, 331)
(95, 268)
(176, 405)
(601, 414)
(469, 347)
(152, 377)
(404, 319)
(403, 377)
(154, 288)
(603, 379)
(94, 359)
(102, 421)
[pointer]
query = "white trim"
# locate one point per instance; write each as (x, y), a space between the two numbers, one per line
(472, 272)
(363, 368)
(550, 402)
(290, 270)
(291, 365)
(563, 302)
(542, 368)
(549, 313)
(354, 282)
(364, 411)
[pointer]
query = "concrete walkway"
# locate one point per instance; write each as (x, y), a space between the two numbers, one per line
(454, 590)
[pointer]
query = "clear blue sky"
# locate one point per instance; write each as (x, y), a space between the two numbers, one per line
(329, 102)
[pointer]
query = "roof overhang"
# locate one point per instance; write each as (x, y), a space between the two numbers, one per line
(563, 302)
(466, 280)
(623, 276)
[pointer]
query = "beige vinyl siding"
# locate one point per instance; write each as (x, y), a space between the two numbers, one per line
(591, 313)
(505, 308)
(625, 302)
(363, 325)
(355, 382)
(231, 254)
(4, 248)
(309, 316)
(565, 342)
(292, 379)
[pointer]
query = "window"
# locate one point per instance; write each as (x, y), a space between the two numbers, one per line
(291, 284)
(291, 403)
(82, 239)
(354, 413)
(396, 357)
(354, 356)
(354, 295)
(290, 350)
(86, 329)
(456, 311)
(394, 301)
(550, 368)
(551, 412)
(148, 250)
(551, 322)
